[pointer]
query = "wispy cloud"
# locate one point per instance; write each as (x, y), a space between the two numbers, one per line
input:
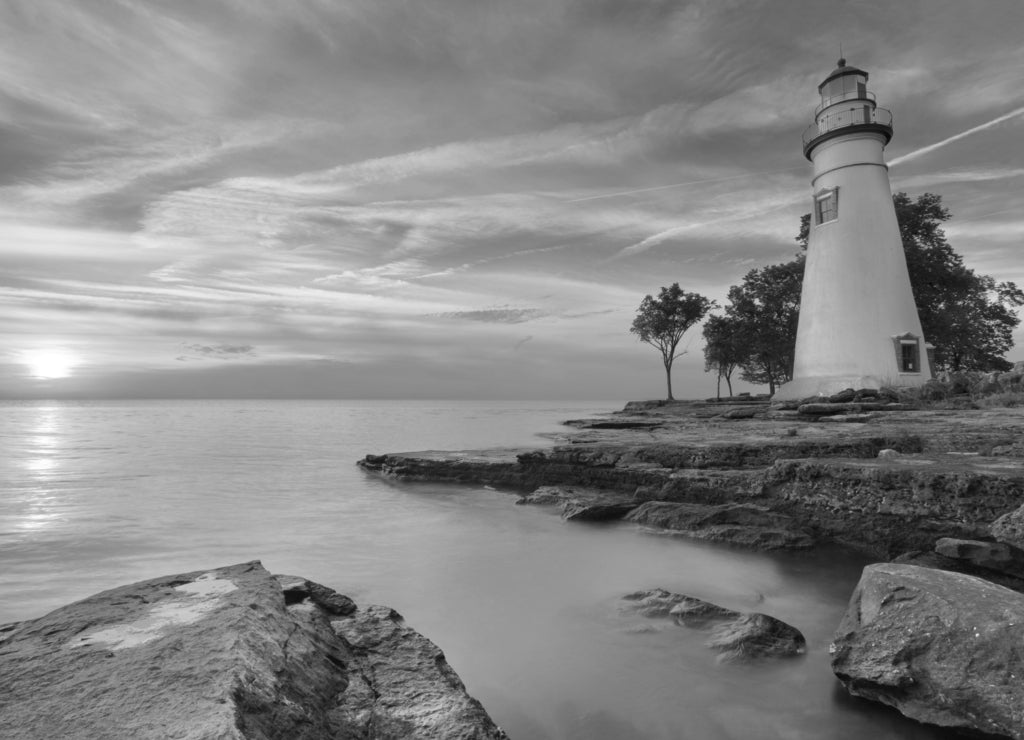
(351, 182)
(496, 315)
(956, 137)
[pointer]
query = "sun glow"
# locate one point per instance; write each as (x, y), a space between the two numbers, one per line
(50, 363)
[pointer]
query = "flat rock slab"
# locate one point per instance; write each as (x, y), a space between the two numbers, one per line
(992, 556)
(942, 648)
(747, 525)
(230, 653)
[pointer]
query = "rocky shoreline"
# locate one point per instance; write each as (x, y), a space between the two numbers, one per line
(939, 491)
(232, 652)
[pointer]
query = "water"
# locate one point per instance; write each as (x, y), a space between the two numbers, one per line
(99, 494)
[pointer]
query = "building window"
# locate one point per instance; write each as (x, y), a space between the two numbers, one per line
(908, 357)
(908, 353)
(826, 206)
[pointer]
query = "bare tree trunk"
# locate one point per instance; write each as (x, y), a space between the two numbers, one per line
(718, 387)
(668, 378)
(728, 382)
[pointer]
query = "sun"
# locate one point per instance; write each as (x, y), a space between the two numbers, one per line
(50, 363)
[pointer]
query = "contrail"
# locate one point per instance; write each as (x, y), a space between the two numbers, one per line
(956, 137)
(681, 185)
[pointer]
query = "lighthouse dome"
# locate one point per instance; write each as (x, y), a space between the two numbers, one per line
(842, 70)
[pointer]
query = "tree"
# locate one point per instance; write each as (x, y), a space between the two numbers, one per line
(763, 313)
(725, 349)
(969, 318)
(662, 321)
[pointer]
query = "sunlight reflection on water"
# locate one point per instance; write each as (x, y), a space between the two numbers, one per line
(95, 495)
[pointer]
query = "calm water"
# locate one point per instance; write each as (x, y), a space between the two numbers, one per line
(95, 495)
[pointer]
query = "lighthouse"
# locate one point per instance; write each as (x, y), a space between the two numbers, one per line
(858, 326)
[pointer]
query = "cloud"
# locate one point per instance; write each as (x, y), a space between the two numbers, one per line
(957, 137)
(350, 181)
(496, 315)
(217, 351)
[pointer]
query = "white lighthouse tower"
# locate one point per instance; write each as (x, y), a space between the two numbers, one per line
(858, 323)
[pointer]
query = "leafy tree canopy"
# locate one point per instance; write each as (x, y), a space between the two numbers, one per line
(662, 321)
(764, 310)
(725, 348)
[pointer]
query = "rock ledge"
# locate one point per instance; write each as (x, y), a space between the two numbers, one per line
(232, 653)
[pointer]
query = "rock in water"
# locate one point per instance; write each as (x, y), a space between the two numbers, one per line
(231, 653)
(748, 525)
(736, 635)
(757, 636)
(941, 647)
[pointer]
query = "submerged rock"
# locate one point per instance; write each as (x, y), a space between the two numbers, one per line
(580, 503)
(229, 653)
(757, 636)
(942, 648)
(653, 603)
(734, 634)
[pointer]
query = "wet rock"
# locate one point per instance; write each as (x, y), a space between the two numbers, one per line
(887, 454)
(997, 556)
(693, 612)
(229, 653)
(1009, 528)
(756, 538)
(402, 686)
(932, 559)
(734, 634)
(748, 525)
(579, 511)
(545, 496)
(296, 589)
(941, 647)
(582, 504)
(653, 603)
(757, 636)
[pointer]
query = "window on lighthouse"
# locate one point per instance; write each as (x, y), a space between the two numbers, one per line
(908, 353)
(826, 206)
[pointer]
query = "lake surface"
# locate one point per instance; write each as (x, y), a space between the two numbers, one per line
(99, 494)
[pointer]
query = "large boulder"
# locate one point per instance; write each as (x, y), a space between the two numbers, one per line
(232, 653)
(942, 648)
(1009, 528)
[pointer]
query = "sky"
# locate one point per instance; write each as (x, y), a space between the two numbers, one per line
(446, 198)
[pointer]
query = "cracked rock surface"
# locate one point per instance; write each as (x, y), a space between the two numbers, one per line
(233, 653)
(942, 648)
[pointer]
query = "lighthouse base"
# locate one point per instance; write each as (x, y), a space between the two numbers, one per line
(822, 387)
